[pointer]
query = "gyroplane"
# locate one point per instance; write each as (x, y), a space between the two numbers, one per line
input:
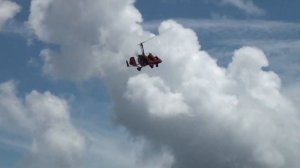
(143, 59)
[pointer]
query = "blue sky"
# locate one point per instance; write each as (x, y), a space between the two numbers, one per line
(274, 10)
(222, 26)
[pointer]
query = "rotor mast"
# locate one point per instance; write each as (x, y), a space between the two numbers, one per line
(142, 48)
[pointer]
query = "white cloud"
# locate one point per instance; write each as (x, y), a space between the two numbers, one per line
(279, 40)
(8, 10)
(45, 119)
(246, 5)
(229, 103)
(293, 93)
(113, 149)
(153, 92)
(204, 114)
(85, 30)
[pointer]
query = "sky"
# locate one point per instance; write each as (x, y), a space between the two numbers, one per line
(226, 94)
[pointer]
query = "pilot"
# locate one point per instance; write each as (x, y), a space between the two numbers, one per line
(151, 57)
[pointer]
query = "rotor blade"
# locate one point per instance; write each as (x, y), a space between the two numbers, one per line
(154, 37)
(149, 39)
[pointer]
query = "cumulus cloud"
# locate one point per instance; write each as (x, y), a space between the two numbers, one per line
(206, 115)
(8, 10)
(278, 39)
(154, 92)
(117, 150)
(45, 119)
(84, 30)
(245, 5)
(228, 106)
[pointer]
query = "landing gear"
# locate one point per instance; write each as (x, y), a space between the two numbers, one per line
(139, 68)
(156, 65)
(151, 66)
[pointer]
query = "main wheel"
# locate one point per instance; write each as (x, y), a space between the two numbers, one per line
(139, 68)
